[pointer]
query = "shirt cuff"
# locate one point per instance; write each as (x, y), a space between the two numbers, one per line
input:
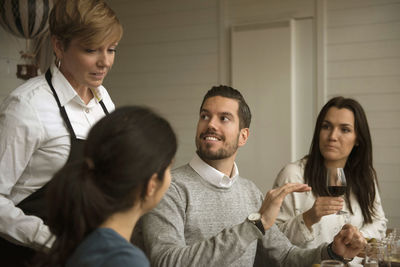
(44, 237)
(307, 234)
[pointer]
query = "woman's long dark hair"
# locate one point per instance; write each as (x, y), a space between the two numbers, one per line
(360, 173)
(122, 152)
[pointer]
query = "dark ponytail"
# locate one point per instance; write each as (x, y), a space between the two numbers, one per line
(122, 152)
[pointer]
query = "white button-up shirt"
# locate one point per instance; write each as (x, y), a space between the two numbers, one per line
(35, 143)
(213, 175)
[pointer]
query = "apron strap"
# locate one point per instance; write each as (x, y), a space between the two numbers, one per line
(62, 109)
(104, 107)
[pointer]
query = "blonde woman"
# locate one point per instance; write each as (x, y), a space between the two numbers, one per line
(45, 121)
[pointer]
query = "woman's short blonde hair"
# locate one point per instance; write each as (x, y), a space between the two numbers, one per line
(93, 22)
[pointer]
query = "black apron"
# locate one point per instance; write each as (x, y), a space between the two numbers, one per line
(35, 204)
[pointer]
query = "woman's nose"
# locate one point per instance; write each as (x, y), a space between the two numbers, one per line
(105, 60)
(334, 134)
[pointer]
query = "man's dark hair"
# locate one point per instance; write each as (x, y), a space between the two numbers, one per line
(229, 92)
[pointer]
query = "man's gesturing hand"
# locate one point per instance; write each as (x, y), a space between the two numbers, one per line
(273, 200)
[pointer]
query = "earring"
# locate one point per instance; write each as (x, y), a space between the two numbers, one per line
(58, 63)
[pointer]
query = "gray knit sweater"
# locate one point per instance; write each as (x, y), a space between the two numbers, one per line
(198, 224)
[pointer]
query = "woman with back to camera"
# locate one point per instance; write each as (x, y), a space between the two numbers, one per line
(44, 122)
(95, 203)
(341, 139)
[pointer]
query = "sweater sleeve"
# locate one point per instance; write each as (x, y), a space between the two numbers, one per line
(290, 219)
(163, 231)
(276, 250)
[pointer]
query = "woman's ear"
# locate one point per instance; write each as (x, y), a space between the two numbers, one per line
(58, 47)
(152, 185)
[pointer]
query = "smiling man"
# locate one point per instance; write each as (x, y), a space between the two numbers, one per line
(211, 216)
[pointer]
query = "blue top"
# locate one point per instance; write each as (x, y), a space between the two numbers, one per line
(105, 247)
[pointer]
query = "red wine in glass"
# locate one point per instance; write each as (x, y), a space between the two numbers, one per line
(336, 183)
(336, 191)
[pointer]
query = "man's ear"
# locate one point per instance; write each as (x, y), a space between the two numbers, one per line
(152, 185)
(243, 136)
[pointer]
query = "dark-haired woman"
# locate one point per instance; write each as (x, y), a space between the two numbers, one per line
(95, 203)
(341, 139)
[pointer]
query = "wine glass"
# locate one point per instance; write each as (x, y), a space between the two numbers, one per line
(336, 184)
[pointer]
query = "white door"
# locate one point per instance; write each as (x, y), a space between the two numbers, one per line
(272, 65)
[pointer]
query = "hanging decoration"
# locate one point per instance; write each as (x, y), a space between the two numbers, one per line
(26, 19)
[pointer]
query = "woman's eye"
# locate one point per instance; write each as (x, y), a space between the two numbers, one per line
(204, 117)
(112, 50)
(90, 50)
(346, 130)
(325, 126)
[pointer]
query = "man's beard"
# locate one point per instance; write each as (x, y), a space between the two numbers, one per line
(222, 153)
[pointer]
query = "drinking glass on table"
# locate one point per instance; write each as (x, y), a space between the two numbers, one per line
(393, 248)
(336, 184)
(375, 254)
(332, 263)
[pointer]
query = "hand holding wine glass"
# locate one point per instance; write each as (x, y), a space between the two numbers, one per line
(336, 184)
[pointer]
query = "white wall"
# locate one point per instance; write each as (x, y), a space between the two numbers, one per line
(363, 62)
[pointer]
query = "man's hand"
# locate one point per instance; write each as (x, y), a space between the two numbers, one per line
(348, 242)
(273, 200)
(322, 206)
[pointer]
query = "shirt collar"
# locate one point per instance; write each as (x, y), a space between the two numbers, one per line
(65, 91)
(213, 175)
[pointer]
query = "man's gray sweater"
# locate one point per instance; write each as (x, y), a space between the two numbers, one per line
(199, 224)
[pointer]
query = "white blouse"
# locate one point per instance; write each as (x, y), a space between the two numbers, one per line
(35, 143)
(290, 219)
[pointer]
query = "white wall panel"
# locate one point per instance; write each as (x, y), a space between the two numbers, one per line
(171, 49)
(241, 11)
(370, 50)
(386, 137)
(364, 33)
(135, 8)
(364, 15)
(157, 35)
(387, 172)
(364, 68)
(365, 85)
(355, 4)
(167, 64)
(384, 119)
(378, 102)
(165, 20)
